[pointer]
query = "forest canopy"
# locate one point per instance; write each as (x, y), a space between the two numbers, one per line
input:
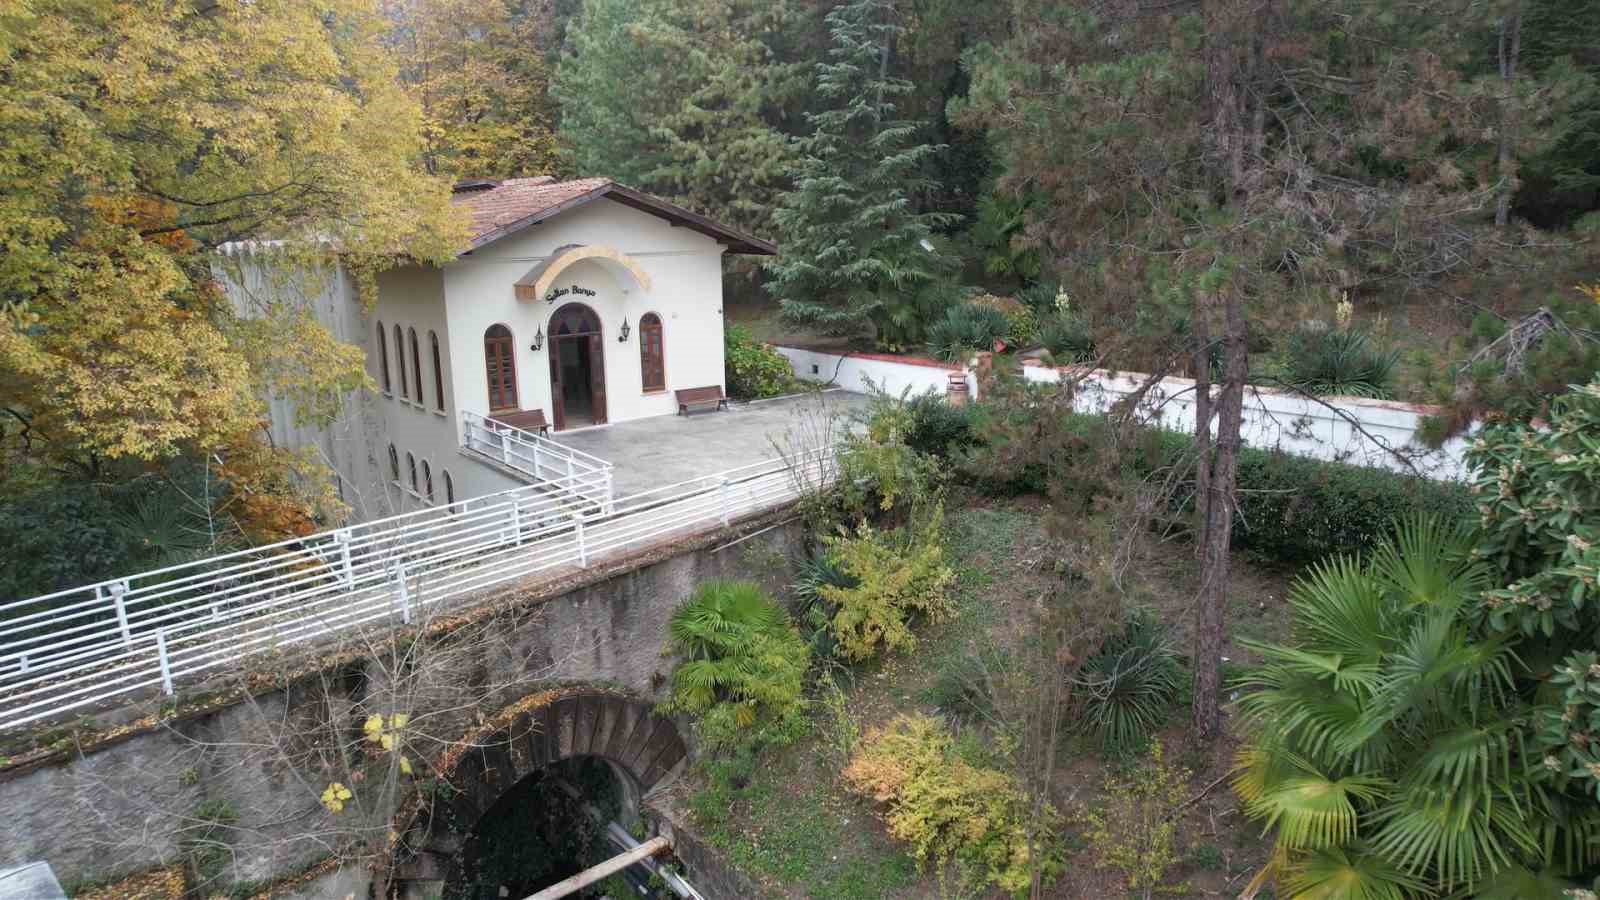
(1395, 184)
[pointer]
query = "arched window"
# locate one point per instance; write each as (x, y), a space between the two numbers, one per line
(400, 359)
(500, 362)
(427, 481)
(652, 357)
(394, 465)
(449, 488)
(416, 364)
(411, 471)
(383, 360)
(438, 373)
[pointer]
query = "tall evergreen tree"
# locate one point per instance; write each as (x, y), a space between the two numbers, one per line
(674, 97)
(855, 248)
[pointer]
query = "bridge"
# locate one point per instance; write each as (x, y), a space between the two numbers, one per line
(220, 704)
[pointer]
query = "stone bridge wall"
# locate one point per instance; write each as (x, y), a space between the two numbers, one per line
(125, 803)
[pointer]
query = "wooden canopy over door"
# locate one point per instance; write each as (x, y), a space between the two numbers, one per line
(571, 322)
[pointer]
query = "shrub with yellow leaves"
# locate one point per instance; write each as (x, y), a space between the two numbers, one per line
(946, 808)
(892, 576)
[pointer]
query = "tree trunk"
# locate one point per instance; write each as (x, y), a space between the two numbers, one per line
(1217, 530)
(1232, 47)
(1510, 50)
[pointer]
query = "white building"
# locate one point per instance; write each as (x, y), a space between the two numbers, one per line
(576, 304)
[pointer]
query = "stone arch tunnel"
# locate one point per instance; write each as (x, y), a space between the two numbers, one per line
(641, 748)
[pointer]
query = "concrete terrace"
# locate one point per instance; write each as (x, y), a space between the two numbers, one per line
(663, 450)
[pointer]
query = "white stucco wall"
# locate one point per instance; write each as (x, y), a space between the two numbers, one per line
(413, 298)
(253, 280)
(685, 270)
(852, 371)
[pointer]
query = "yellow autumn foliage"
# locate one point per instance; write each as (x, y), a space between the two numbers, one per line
(135, 138)
(946, 808)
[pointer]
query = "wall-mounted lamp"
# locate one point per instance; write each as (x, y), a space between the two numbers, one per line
(538, 340)
(622, 333)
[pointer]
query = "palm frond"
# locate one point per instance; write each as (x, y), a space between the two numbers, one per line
(1457, 836)
(1426, 561)
(1340, 873)
(1341, 608)
(1313, 811)
(1518, 883)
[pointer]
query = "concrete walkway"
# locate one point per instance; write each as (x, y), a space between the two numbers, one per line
(663, 450)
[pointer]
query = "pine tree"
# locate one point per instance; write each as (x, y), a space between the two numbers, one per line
(855, 250)
(674, 97)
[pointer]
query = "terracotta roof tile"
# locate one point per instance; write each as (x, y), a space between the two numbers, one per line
(500, 208)
(515, 199)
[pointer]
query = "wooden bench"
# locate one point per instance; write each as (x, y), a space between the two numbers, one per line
(700, 396)
(526, 419)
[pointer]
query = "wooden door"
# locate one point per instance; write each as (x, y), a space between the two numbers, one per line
(558, 409)
(597, 379)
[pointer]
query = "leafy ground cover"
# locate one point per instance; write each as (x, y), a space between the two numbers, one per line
(793, 826)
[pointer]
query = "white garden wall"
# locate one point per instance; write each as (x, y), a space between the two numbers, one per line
(1340, 429)
(892, 374)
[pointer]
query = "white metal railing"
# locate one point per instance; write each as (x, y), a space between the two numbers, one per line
(84, 646)
(557, 465)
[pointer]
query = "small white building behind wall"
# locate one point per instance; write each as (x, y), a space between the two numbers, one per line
(576, 304)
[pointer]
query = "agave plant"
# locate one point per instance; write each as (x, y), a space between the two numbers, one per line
(1385, 744)
(966, 328)
(1129, 684)
(1340, 362)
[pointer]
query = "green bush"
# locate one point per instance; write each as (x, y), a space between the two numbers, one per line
(1128, 685)
(966, 328)
(742, 666)
(1293, 510)
(935, 428)
(1339, 362)
(1538, 526)
(754, 370)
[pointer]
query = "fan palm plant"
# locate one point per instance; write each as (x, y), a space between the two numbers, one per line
(742, 664)
(1385, 743)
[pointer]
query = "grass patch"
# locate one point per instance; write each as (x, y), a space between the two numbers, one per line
(788, 825)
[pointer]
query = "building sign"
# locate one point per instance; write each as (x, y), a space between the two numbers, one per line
(557, 293)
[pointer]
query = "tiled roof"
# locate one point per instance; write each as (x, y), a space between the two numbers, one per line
(500, 208)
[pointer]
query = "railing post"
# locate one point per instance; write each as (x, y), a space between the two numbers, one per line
(536, 458)
(505, 447)
(516, 522)
(583, 552)
(402, 595)
(118, 590)
(161, 659)
(342, 537)
(726, 513)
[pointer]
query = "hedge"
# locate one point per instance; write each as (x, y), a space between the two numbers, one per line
(1292, 509)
